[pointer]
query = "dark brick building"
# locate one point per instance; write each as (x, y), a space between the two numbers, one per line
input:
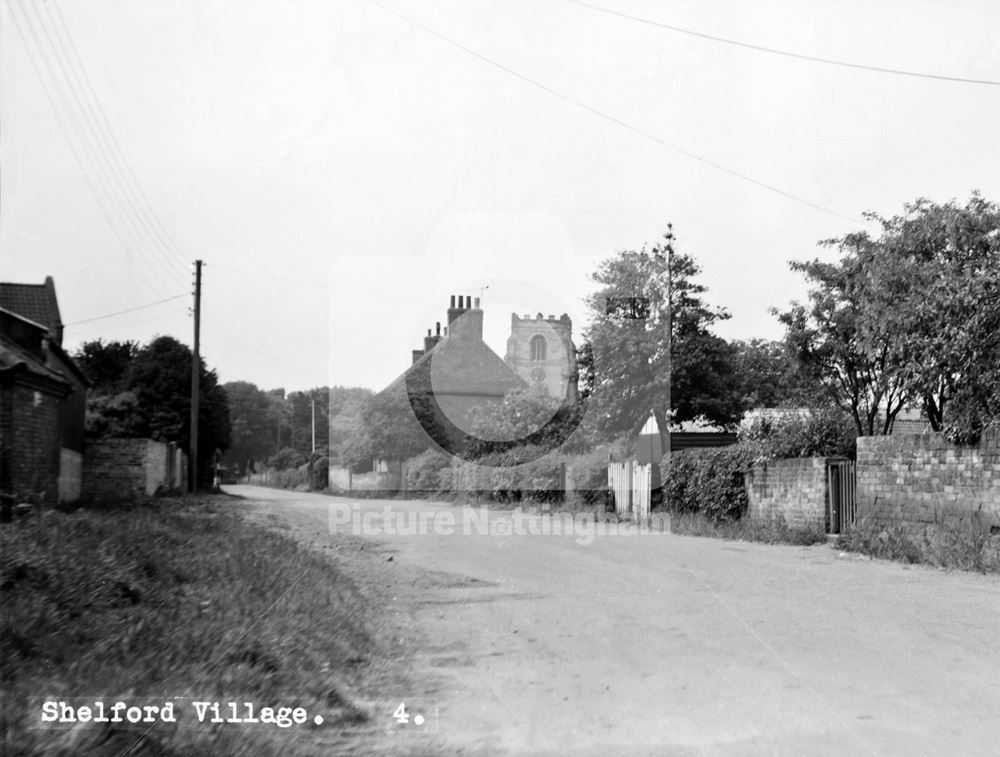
(32, 398)
(32, 329)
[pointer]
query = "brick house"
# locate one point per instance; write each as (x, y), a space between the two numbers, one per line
(32, 328)
(32, 398)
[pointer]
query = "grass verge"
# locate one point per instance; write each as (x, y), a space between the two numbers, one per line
(176, 598)
(956, 544)
(774, 532)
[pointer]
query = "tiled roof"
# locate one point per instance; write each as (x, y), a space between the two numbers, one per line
(14, 357)
(36, 302)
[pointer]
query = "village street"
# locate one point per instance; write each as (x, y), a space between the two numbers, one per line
(663, 644)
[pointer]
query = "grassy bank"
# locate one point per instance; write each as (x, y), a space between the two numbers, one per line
(176, 598)
(961, 545)
(743, 529)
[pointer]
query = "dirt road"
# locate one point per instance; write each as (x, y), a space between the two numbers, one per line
(662, 644)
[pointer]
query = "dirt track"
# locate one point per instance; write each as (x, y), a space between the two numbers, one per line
(528, 644)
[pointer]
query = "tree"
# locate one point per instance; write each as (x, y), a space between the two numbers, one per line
(912, 315)
(934, 276)
(145, 392)
(769, 376)
(628, 342)
(825, 336)
(106, 364)
(254, 417)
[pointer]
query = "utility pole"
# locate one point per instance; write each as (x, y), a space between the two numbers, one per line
(195, 371)
(314, 423)
(670, 327)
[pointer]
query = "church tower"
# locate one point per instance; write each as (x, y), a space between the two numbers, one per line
(540, 350)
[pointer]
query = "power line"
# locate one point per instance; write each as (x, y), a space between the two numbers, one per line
(103, 203)
(613, 119)
(110, 137)
(96, 125)
(786, 53)
(130, 310)
(80, 119)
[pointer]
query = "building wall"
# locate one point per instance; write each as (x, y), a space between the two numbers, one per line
(30, 440)
(70, 475)
(124, 468)
(922, 479)
(794, 489)
(558, 368)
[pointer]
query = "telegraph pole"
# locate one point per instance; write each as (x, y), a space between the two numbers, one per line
(195, 370)
(314, 423)
(670, 327)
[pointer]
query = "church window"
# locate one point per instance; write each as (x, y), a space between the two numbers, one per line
(537, 347)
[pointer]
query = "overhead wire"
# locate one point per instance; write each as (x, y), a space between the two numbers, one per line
(786, 53)
(47, 87)
(129, 310)
(80, 118)
(164, 236)
(615, 120)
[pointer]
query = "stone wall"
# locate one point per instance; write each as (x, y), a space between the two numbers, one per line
(126, 468)
(922, 479)
(794, 489)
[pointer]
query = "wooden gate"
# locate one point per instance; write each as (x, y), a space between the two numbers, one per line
(631, 483)
(840, 497)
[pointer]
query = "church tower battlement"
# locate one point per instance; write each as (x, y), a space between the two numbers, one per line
(541, 351)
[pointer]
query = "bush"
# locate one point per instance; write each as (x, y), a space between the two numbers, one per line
(961, 543)
(821, 432)
(423, 472)
(287, 458)
(709, 481)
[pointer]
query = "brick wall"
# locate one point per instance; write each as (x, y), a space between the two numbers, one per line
(921, 479)
(793, 489)
(30, 439)
(125, 468)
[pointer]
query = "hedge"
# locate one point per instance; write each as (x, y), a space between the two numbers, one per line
(709, 481)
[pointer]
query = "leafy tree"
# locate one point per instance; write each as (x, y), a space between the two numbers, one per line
(628, 340)
(825, 336)
(912, 315)
(255, 416)
(160, 377)
(106, 364)
(769, 376)
(934, 277)
(521, 413)
(145, 393)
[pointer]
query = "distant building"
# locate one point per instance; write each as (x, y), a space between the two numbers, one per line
(32, 331)
(541, 351)
(456, 372)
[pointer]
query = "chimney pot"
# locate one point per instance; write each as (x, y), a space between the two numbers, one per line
(428, 332)
(477, 303)
(453, 301)
(461, 301)
(438, 325)
(468, 300)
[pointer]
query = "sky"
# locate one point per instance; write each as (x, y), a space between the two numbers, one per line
(342, 168)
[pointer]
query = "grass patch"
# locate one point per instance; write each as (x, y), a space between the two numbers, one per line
(961, 544)
(743, 529)
(177, 598)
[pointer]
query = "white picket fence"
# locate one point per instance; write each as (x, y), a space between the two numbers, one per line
(631, 483)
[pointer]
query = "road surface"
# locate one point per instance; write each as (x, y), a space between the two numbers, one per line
(660, 644)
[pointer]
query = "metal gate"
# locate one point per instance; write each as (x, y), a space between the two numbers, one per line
(841, 502)
(631, 482)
